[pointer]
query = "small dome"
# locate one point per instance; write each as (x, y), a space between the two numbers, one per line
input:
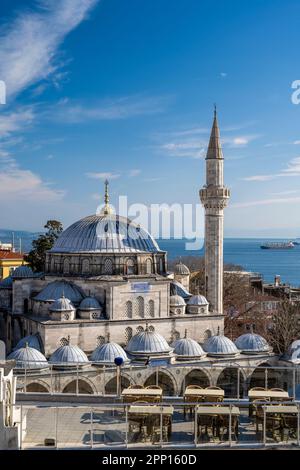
(89, 303)
(62, 305)
(68, 356)
(176, 288)
(33, 341)
(251, 343)
(148, 343)
(22, 271)
(187, 348)
(28, 358)
(57, 289)
(293, 354)
(197, 300)
(220, 345)
(176, 301)
(6, 283)
(181, 268)
(107, 353)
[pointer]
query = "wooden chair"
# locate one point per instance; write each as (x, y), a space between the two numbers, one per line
(276, 390)
(223, 426)
(213, 387)
(136, 386)
(153, 387)
(194, 386)
(262, 389)
(209, 424)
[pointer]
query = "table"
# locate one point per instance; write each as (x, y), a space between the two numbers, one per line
(133, 394)
(203, 393)
(220, 418)
(281, 409)
(257, 394)
(152, 420)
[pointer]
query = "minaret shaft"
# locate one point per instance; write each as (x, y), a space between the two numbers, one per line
(214, 197)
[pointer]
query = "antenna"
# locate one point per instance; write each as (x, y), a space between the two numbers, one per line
(20, 245)
(13, 241)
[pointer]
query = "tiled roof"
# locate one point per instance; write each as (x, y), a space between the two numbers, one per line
(6, 254)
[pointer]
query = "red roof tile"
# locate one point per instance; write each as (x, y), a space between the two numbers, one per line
(6, 254)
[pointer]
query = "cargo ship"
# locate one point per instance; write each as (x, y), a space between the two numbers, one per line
(277, 245)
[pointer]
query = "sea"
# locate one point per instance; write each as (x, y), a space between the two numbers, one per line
(245, 252)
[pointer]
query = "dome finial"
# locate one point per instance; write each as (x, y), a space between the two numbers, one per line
(69, 339)
(215, 110)
(251, 328)
(147, 327)
(108, 337)
(185, 333)
(218, 332)
(106, 209)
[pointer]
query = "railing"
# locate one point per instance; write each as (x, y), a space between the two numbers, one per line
(169, 424)
(234, 379)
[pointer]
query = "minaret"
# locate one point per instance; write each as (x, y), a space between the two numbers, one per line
(214, 197)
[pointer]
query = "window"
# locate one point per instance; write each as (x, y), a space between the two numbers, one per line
(100, 340)
(207, 334)
(130, 266)
(151, 308)
(128, 334)
(139, 329)
(140, 307)
(66, 267)
(148, 266)
(64, 342)
(128, 309)
(85, 266)
(108, 266)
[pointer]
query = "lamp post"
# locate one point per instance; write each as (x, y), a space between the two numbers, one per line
(119, 361)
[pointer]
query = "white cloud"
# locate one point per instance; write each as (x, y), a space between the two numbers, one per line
(296, 142)
(103, 175)
(24, 185)
(223, 74)
(134, 172)
(293, 169)
(259, 178)
(29, 46)
(267, 202)
(14, 121)
(239, 141)
(109, 109)
(188, 148)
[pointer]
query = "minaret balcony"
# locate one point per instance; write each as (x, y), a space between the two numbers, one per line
(212, 192)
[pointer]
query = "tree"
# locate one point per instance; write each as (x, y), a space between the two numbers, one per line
(37, 256)
(285, 326)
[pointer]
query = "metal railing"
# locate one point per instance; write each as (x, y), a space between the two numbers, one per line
(169, 424)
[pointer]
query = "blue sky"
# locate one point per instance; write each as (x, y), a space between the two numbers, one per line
(126, 89)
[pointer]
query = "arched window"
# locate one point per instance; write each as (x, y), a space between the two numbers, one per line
(100, 340)
(128, 309)
(148, 266)
(139, 329)
(130, 266)
(151, 328)
(151, 308)
(66, 266)
(108, 266)
(85, 266)
(128, 334)
(140, 307)
(161, 265)
(63, 342)
(207, 334)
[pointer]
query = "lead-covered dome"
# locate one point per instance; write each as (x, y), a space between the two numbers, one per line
(33, 341)
(89, 303)
(22, 272)
(176, 301)
(68, 356)
(187, 349)
(293, 353)
(58, 289)
(6, 283)
(251, 343)
(181, 269)
(148, 343)
(28, 358)
(220, 346)
(197, 300)
(107, 353)
(62, 305)
(104, 233)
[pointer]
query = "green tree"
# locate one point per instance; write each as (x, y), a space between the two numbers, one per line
(37, 256)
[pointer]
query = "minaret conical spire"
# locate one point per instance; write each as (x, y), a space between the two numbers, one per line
(214, 149)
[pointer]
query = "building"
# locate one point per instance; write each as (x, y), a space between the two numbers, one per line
(106, 286)
(9, 261)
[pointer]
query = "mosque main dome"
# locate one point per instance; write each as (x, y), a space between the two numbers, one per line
(105, 244)
(105, 233)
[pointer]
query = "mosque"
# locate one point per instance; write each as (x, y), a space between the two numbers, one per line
(106, 292)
